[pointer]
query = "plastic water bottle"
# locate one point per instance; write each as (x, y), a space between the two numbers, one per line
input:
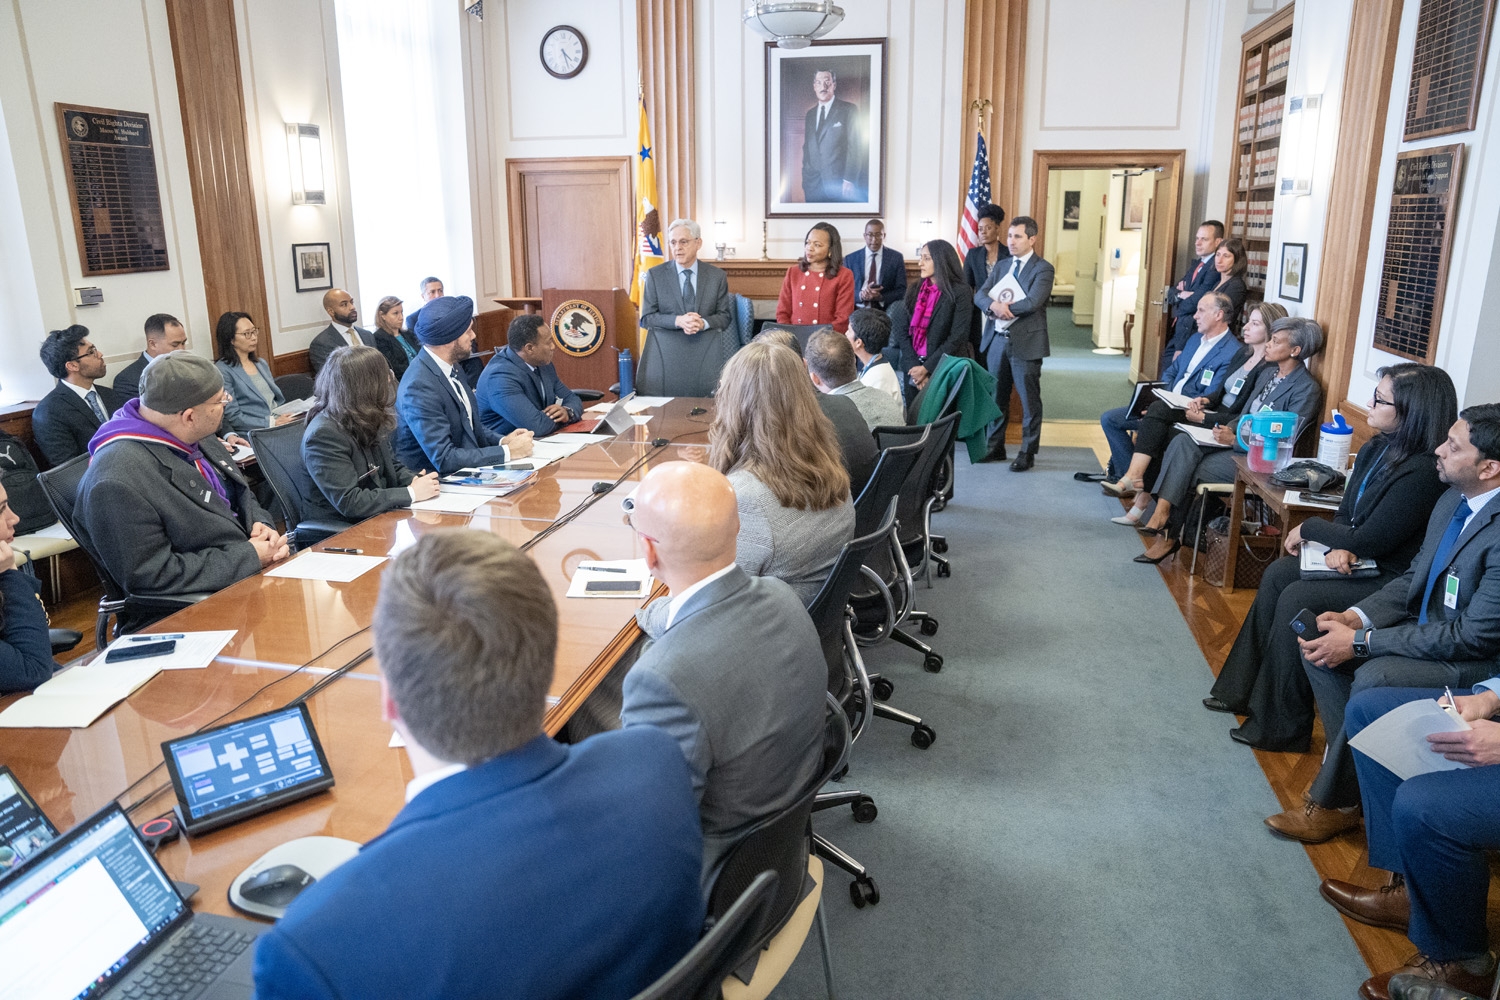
(627, 380)
(1334, 442)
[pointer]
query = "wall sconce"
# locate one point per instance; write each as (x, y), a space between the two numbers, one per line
(1297, 169)
(721, 228)
(305, 153)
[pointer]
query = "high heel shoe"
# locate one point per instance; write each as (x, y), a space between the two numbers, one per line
(1124, 489)
(1146, 529)
(1131, 518)
(1152, 561)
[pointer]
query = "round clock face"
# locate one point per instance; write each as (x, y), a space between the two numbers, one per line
(564, 52)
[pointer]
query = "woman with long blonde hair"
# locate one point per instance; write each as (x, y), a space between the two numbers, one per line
(781, 455)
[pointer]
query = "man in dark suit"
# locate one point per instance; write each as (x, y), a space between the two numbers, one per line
(69, 415)
(162, 503)
(519, 867)
(829, 145)
(342, 332)
(687, 311)
(164, 334)
(1437, 624)
(752, 738)
(879, 272)
(520, 387)
(1200, 277)
(437, 415)
(1014, 354)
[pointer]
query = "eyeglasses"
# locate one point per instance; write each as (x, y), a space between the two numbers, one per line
(1377, 401)
(252, 332)
(86, 354)
(638, 531)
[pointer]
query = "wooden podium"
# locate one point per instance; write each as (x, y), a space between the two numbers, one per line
(600, 368)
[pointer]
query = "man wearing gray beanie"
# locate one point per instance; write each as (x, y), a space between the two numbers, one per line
(162, 504)
(437, 415)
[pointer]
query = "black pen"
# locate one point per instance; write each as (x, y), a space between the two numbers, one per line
(352, 552)
(603, 569)
(155, 638)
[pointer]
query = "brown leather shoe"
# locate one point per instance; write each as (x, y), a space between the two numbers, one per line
(1419, 965)
(1312, 824)
(1383, 907)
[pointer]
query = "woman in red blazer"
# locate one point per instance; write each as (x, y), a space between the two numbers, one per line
(818, 288)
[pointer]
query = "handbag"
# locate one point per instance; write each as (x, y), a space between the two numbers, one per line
(1257, 552)
(1306, 474)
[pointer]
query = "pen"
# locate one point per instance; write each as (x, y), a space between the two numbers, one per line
(1452, 706)
(156, 638)
(603, 569)
(352, 552)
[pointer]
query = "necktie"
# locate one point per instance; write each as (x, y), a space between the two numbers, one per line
(463, 397)
(354, 340)
(689, 296)
(1444, 550)
(1195, 272)
(93, 401)
(874, 262)
(1015, 270)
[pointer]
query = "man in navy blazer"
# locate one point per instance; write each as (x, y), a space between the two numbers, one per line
(437, 414)
(1200, 277)
(889, 286)
(1014, 355)
(67, 417)
(519, 387)
(1199, 370)
(519, 867)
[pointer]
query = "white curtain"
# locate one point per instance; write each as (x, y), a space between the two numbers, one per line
(404, 122)
(21, 329)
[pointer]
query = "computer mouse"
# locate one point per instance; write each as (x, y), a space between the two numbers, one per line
(276, 886)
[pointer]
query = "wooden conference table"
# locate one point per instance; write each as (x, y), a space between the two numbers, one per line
(292, 633)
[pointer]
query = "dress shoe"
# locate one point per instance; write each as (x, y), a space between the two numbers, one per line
(995, 454)
(1313, 824)
(1409, 987)
(1154, 560)
(1024, 461)
(1124, 489)
(1383, 907)
(1419, 966)
(1215, 705)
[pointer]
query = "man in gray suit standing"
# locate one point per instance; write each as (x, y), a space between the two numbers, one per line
(342, 332)
(828, 146)
(1014, 354)
(687, 310)
(750, 728)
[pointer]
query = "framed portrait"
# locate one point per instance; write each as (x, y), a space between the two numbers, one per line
(1072, 208)
(312, 267)
(1293, 270)
(825, 129)
(1133, 204)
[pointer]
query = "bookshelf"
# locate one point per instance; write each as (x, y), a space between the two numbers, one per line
(1264, 61)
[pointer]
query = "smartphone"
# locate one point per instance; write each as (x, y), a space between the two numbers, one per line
(616, 586)
(1306, 625)
(140, 650)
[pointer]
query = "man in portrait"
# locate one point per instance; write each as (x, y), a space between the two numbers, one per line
(830, 150)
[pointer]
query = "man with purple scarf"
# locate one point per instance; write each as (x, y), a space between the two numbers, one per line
(162, 504)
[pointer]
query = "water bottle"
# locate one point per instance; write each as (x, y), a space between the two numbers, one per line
(1334, 442)
(627, 379)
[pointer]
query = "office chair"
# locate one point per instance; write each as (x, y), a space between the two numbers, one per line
(945, 476)
(60, 484)
(295, 386)
(699, 973)
(279, 452)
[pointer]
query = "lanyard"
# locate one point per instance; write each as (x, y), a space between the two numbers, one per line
(1374, 466)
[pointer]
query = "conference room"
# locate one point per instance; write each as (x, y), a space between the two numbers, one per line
(403, 402)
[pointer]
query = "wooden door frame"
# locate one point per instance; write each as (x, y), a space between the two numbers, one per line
(516, 208)
(1044, 161)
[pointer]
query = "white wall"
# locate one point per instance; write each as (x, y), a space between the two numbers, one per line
(1118, 278)
(98, 53)
(290, 71)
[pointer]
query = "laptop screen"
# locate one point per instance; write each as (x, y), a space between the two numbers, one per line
(81, 910)
(24, 828)
(618, 420)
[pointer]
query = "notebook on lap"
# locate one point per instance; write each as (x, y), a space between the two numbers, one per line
(92, 914)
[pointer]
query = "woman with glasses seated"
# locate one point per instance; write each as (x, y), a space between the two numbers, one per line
(247, 378)
(25, 644)
(347, 445)
(1383, 517)
(782, 457)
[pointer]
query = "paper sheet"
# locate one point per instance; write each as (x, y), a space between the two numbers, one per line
(195, 650)
(636, 405)
(53, 531)
(242, 453)
(641, 420)
(1171, 398)
(1202, 435)
(1293, 498)
(635, 571)
(75, 698)
(293, 406)
(328, 566)
(453, 503)
(1398, 739)
(396, 740)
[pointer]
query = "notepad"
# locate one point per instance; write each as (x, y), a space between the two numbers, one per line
(1297, 498)
(76, 697)
(635, 571)
(195, 650)
(1202, 435)
(452, 503)
(1171, 398)
(1398, 739)
(326, 566)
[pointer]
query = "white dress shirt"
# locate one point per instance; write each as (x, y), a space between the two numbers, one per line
(1204, 347)
(422, 782)
(678, 600)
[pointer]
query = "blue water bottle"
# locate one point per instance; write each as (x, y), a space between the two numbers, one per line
(627, 374)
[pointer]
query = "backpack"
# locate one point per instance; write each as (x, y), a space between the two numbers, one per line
(18, 475)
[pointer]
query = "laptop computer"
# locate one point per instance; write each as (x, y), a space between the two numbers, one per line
(92, 914)
(24, 828)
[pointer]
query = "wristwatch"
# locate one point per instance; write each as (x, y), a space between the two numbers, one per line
(1362, 642)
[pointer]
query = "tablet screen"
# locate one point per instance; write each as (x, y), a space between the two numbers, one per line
(24, 828)
(240, 770)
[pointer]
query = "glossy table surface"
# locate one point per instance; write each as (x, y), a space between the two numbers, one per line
(290, 634)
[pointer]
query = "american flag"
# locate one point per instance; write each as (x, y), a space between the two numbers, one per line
(979, 195)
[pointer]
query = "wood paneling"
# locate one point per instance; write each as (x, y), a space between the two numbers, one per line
(761, 279)
(206, 52)
(1363, 106)
(665, 35)
(571, 222)
(994, 58)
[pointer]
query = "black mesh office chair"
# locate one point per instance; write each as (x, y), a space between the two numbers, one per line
(699, 973)
(919, 494)
(295, 386)
(279, 452)
(60, 484)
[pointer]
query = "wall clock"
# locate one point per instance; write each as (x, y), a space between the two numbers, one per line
(564, 52)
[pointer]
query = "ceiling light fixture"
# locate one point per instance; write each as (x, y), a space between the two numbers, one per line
(793, 24)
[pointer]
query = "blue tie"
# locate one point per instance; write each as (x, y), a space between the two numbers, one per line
(1444, 550)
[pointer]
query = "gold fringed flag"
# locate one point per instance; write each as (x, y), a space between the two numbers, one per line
(647, 219)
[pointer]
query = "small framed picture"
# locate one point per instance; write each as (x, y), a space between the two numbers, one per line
(1293, 269)
(311, 266)
(1133, 204)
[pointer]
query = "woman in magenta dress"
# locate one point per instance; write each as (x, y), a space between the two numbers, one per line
(818, 288)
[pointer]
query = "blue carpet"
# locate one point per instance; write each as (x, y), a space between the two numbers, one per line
(1078, 384)
(1082, 827)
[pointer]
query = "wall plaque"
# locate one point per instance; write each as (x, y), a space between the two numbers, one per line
(111, 170)
(1419, 239)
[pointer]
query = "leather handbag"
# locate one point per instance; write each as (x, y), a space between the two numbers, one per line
(1306, 474)
(1257, 552)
